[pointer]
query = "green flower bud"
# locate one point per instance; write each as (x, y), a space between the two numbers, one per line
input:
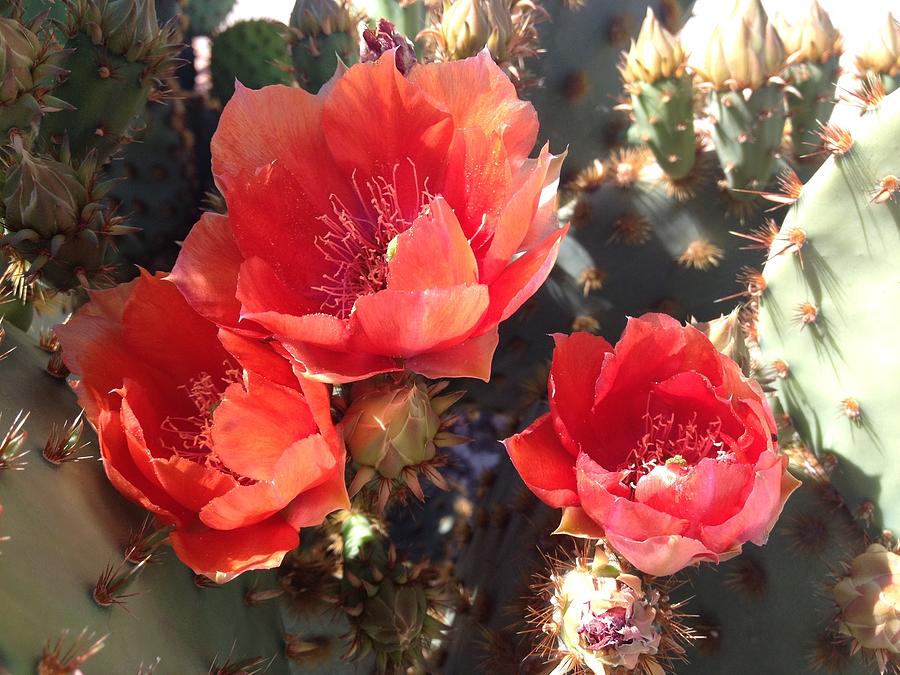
(465, 27)
(881, 53)
(743, 53)
(811, 38)
(656, 54)
(390, 426)
(43, 196)
(394, 616)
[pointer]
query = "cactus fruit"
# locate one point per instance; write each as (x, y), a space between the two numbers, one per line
(68, 528)
(740, 64)
(813, 47)
(662, 96)
(205, 16)
(57, 224)
(253, 52)
(324, 33)
(119, 58)
(830, 275)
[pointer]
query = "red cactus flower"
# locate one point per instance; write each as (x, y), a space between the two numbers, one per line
(661, 445)
(387, 222)
(226, 445)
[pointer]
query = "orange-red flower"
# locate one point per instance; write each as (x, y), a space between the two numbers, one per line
(661, 445)
(210, 431)
(387, 222)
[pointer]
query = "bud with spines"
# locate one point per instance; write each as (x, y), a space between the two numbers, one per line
(814, 47)
(392, 428)
(56, 223)
(324, 33)
(662, 96)
(869, 599)
(880, 55)
(741, 64)
(29, 70)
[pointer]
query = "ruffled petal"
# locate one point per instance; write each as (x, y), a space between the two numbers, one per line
(406, 323)
(577, 362)
(661, 555)
(257, 356)
(478, 94)
(206, 271)
(546, 467)
(522, 278)
(193, 485)
(336, 367)
(470, 358)
(432, 253)
(379, 126)
(252, 427)
(310, 508)
(222, 555)
(303, 465)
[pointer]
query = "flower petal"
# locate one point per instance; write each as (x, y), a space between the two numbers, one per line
(577, 362)
(470, 358)
(327, 365)
(206, 271)
(252, 427)
(478, 94)
(575, 522)
(222, 555)
(379, 126)
(432, 253)
(193, 485)
(303, 465)
(406, 323)
(661, 555)
(546, 467)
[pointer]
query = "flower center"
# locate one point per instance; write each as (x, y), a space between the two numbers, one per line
(666, 441)
(193, 434)
(357, 246)
(605, 630)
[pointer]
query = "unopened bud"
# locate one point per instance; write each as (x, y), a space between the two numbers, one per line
(881, 53)
(656, 54)
(727, 335)
(811, 38)
(465, 27)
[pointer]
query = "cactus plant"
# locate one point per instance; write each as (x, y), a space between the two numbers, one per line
(324, 32)
(205, 16)
(819, 333)
(253, 52)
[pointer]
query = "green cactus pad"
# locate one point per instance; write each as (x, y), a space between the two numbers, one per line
(826, 314)
(664, 120)
(253, 52)
(207, 15)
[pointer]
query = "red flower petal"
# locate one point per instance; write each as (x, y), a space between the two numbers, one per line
(192, 484)
(577, 361)
(432, 253)
(661, 555)
(378, 125)
(221, 555)
(303, 465)
(546, 467)
(480, 95)
(470, 358)
(257, 356)
(310, 508)
(252, 427)
(521, 279)
(206, 271)
(406, 323)
(771, 486)
(327, 365)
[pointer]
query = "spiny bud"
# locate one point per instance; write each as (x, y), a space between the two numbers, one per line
(869, 598)
(393, 617)
(465, 28)
(727, 335)
(743, 53)
(42, 195)
(19, 48)
(881, 53)
(811, 38)
(129, 23)
(600, 620)
(502, 30)
(656, 54)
